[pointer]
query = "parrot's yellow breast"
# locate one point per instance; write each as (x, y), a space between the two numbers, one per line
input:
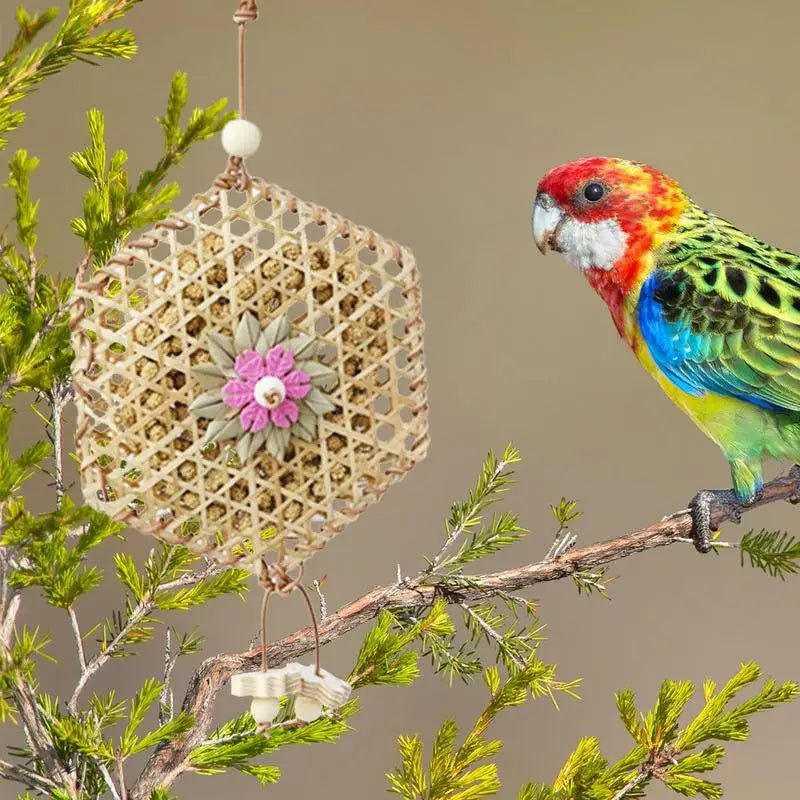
(716, 415)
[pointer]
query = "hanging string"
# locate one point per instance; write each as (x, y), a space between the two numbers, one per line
(302, 589)
(264, 605)
(275, 579)
(246, 11)
(235, 175)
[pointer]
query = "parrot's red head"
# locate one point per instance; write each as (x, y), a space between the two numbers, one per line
(605, 215)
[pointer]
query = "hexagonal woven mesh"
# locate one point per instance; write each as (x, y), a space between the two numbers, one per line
(140, 325)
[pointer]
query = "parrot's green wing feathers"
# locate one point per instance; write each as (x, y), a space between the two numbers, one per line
(721, 313)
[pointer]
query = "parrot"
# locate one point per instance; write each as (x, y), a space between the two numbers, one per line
(711, 312)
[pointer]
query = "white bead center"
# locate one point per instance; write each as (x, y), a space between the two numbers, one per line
(269, 392)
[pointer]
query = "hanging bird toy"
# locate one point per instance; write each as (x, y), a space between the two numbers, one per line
(249, 378)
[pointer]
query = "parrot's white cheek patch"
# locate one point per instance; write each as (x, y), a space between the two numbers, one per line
(592, 244)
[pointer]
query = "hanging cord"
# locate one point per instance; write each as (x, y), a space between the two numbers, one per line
(247, 11)
(264, 605)
(274, 578)
(235, 175)
(307, 598)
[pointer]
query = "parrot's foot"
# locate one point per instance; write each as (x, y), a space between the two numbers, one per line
(794, 474)
(702, 507)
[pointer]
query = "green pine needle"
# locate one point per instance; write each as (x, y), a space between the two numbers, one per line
(22, 69)
(111, 208)
(774, 552)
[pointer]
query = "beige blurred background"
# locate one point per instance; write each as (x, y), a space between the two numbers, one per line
(432, 122)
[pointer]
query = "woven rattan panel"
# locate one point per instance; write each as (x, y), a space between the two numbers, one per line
(141, 325)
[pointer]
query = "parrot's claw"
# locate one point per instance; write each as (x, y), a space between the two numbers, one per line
(794, 474)
(702, 508)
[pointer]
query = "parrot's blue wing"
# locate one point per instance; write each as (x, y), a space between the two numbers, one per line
(704, 342)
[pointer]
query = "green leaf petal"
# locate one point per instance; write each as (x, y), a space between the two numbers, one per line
(275, 332)
(243, 447)
(221, 429)
(318, 402)
(319, 374)
(257, 442)
(302, 346)
(221, 349)
(210, 376)
(247, 332)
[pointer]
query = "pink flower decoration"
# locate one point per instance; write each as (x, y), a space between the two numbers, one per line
(251, 368)
(285, 414)
(238, 394)
(279, 362)
(297, 385)
(254, 417)
(250, 365)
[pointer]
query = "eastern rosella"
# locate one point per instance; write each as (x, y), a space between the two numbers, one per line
(712, 313)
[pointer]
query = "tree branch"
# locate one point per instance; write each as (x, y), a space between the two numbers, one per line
(28, 778)
(9, 598)
(167, 763)
(144, 607)
(60, 395)
(459, 530)
(20, 82)
(76, 629)
(41, 743)
(632, 784)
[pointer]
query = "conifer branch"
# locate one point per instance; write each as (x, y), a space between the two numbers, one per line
(146, 605)
(58, 398)
(412, 593)
(74, 41)
(27, 777)
(632, 784)
(491, 482)
(73, 618)
(39, 739)
(490, 632)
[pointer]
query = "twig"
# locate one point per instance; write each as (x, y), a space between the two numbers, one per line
(121, 772)
(563, 541)
(9, 617)
(39, 740)
(6, 595)
(166, 765)
(166, 709)
(9, 598)
(109, 780)
(637, 780)
(140, 611)
(59, 397)
(25, 776)
(33, 263)
(459, 530)
(73, 618)
(489, 631)
(323, 603)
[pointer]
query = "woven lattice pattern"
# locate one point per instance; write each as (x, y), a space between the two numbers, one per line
(141, 324)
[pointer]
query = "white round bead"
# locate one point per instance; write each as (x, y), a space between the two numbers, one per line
(306, 709)
(265, 709)
(241, 138)
(269, 392)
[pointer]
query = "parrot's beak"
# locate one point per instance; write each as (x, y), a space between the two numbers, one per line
(547, 221)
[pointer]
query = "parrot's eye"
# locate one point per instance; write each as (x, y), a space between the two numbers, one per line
(593, 192)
